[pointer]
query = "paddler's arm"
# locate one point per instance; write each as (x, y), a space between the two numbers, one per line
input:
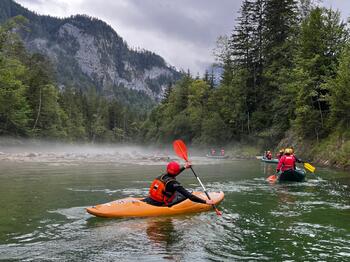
(182, 169)
(298, 160)
(279, 165)
(177, 187)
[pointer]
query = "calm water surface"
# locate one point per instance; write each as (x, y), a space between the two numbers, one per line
(42, 215)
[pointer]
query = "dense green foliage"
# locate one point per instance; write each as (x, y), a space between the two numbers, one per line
(31, 105)
(286, 67)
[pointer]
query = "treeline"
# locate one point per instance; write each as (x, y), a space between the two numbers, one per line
(286, 67)
(32, 105)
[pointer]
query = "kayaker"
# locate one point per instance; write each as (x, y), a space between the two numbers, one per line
(287, 161)
(222, 152)
(165, 190)
(280, 154)
(268, 155)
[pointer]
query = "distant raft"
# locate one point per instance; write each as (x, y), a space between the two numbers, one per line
(217, 157)
(134, 207)
(272, 161)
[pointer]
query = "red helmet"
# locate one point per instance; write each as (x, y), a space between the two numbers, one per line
(173, 168)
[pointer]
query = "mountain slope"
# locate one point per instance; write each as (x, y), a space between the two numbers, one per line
(87, 52)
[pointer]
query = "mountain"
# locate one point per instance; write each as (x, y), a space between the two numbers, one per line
(87, 52)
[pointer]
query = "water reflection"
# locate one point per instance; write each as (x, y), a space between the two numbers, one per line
(284, 196)
(162, 233)
(268, 169)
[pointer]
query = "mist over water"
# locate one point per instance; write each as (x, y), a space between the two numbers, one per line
(45, 189)
(65, 154)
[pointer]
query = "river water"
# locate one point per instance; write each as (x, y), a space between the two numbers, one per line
(43, 218)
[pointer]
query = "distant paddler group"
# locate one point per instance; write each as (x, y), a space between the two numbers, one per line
(286, 166)
(217, 154)
(267, 157)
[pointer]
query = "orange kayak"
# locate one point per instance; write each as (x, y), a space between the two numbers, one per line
(134, 207)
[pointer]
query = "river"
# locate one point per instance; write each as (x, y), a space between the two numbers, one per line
(43, 218)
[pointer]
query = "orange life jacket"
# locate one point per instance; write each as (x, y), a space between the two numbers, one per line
(157, 190)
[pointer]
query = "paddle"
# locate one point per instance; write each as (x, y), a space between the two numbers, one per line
(272, 178)
(309, 167)
(181, 150)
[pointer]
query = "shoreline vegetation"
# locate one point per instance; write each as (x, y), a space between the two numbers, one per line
(276, 90)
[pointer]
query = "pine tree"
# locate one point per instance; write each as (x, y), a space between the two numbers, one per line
(322, 38)
(70, 102)
(246, 46)
(14, 108)
(339, 97)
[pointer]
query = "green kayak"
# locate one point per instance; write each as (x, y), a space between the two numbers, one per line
(217, 157)
(297, 175)
(273, 160)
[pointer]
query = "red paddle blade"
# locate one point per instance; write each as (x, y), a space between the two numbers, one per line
(180, 149)
(272, 179)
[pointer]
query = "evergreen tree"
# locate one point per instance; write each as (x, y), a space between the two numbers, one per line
(322, 38)
(14, 109)
(71, 103)
(280, 38)
(40, 87)
(339, 97)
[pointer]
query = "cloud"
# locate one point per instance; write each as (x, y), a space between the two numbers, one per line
(51, 7)
(342, 6)
(184, 32)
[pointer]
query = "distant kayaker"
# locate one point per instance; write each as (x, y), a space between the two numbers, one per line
(222, 151)
(268, 155)
(280, 154)
(287, 161)
(165, 190)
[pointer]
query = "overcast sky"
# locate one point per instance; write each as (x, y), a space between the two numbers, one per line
(184, 32)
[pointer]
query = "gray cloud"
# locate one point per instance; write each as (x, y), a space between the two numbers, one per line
(341, 5)
(41, 3)
(188, 20)
(187, 28)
